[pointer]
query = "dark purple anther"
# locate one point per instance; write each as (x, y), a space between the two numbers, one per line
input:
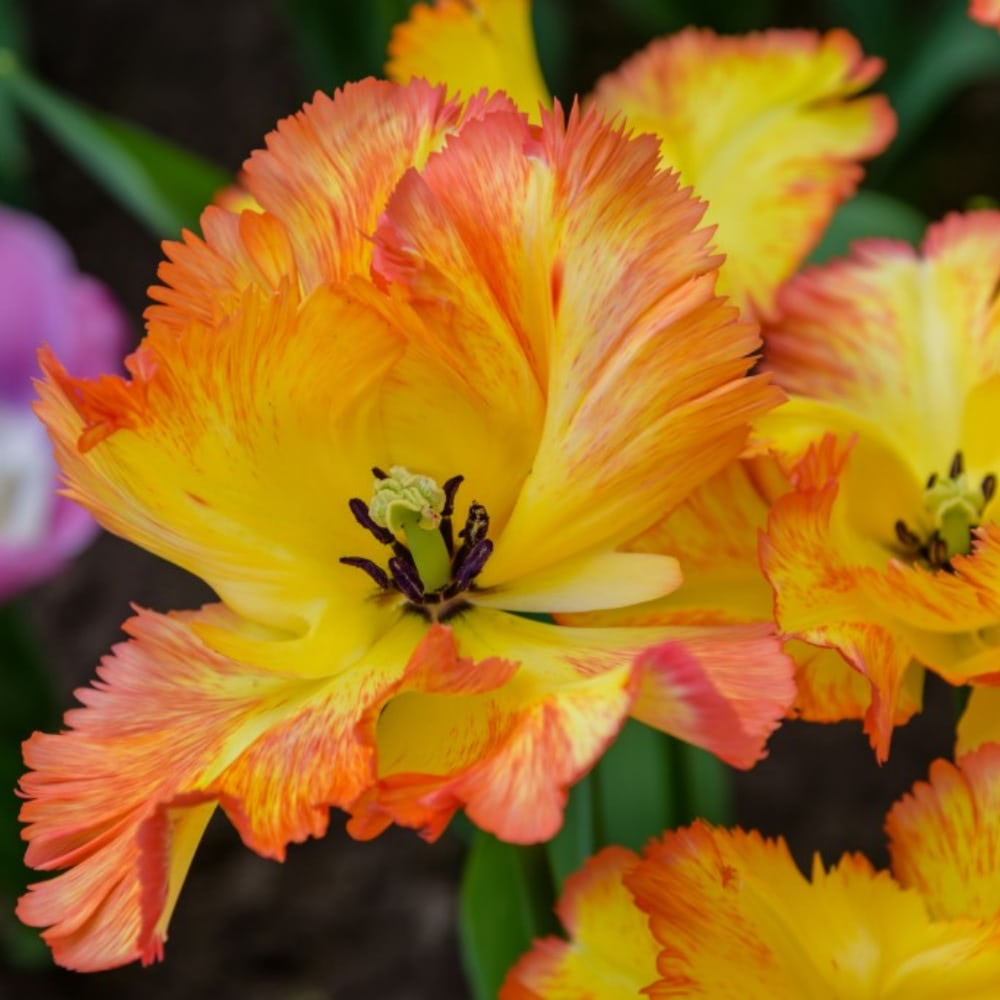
(360, 511)
(378, 473)
(378, 574)
(957, 465)
(989, 487)
(447, 531)
(407, 579)
(905, 536)
(473, 563)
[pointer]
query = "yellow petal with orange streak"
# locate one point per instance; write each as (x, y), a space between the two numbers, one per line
(736, 920)
(468, 45)
(944, 839)
(233, 452)
(318, 189)
(610, 954)
(600, 281)
(980, 722)
(767, 127)
(121, 797)
(902, 342)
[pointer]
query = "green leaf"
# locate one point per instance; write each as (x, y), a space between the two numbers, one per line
(13, 148)
(504, 903)
(636, 786)
(706, 786)
(869, 213)
(26, 704)
(575, 841)
(163, 186)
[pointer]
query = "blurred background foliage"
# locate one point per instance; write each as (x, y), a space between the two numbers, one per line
(118, 121)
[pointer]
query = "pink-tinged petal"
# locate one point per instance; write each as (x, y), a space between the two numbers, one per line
(985, 12)
(767, 127)
(171, 728)
(944, 838)
(611, 954)
(723, 689)
(601, 327)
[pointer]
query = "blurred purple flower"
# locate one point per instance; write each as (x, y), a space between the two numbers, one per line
(43, 299)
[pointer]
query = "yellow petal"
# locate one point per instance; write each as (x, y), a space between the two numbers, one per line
(469, 45)
(736, 920)
(943, 837)
(587, 582)
(611, 954)
(980, 722)
(767, 128)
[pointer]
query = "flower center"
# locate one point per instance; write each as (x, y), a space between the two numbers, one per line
(956, 509)
(412, 515)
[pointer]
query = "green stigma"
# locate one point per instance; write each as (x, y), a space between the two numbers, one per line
(411, 504)
(956, 506)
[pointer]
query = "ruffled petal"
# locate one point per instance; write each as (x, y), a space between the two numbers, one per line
(767, 128)
(631, 367)
(944, 838)
(736, 920)
(171, 729)
(833, 589)
(468, 45)
(182, 458)
(502, 730)
(899, 341)
(980, 722)
(318, 189)
(611, 953)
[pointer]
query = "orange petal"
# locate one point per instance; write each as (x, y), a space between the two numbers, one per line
(502, 738)
(943, 836)
(322, 182)
(469, 45)
(611, 953)
(736, 920)
(170, 729)
(613, 292)
(767, 128)
(985, 12)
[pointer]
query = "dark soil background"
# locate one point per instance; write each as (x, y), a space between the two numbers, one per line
(341, 919)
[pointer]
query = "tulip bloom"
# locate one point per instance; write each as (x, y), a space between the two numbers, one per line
(888, 547)
(443, 369)
(767, 127)
(728, 915)
(46, 300)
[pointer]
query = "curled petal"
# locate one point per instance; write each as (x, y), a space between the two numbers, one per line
(944, 840)
(736, 920)
(171, 729)
(611, 953)
(767, 128)
(468, 45)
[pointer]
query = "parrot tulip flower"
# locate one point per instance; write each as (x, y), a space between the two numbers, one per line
(768, 128)
(425, 385)
(726, 914)
(888, 547)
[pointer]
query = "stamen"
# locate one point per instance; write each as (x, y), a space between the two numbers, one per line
(360, 511)
(378, 473)
(407, 579)
(957, 466)
(988, 487)
(931, 480)
(473, 563)
(907, 537)
(937, 551)
(376, 572)
(450, 489)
